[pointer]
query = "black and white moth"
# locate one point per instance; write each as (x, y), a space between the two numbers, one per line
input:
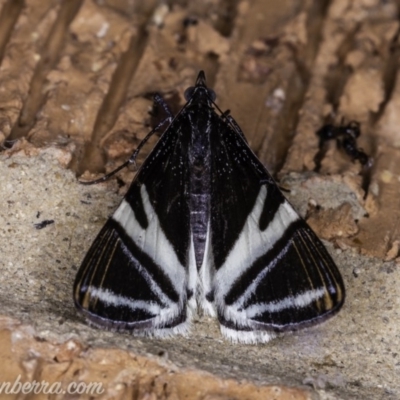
(204, 227)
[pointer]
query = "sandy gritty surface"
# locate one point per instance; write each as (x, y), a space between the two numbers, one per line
(355, 353)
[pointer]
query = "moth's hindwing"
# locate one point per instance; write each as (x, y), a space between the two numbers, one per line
(272, 272)
(135, 275)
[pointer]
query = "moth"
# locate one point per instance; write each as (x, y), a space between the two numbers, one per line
(204, 227)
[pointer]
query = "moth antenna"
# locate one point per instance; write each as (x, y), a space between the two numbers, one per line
(159, 100)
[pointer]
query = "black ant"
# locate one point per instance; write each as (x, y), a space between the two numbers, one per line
(346, 138)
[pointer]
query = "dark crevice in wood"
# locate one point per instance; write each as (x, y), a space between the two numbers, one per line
(94, 158)
(49, 58)
(8, 17)
(299, 83)
(181, 3)
(211, 67)
(124, 8)
(315, 21)
(335, 82)
(339, 74)
(227, 12)
(389, 75)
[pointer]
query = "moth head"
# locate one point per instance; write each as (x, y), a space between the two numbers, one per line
(200, 88)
